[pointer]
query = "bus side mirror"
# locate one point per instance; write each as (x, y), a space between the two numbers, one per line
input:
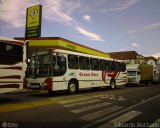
(26, 72)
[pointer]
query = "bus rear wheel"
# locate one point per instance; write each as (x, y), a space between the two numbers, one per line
(112, 84)
(72, 87)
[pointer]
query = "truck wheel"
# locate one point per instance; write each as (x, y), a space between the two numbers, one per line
(149, 83)
(72, 87)
(126, 85)
(112, 84)
(138, 85)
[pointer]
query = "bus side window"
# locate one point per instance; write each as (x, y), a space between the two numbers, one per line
(59, 65)
(102, 65)
(84, 63)
(111, 65)
(62, 64)
(117, 66)
(94, 64)
(73, 62)
(123, 67)
(10, 54)
(55, 64)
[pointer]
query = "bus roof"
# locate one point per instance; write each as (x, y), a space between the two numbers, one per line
(61, 43)
(10, 40)
(61, 51)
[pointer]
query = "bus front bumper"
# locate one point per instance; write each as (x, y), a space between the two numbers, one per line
(36, 86)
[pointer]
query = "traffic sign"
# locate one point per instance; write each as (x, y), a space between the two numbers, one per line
(33, 21)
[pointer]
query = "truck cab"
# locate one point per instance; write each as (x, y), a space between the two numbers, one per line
(134, 76)
(139, 74)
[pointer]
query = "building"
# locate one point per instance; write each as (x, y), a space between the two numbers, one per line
(129, 57)
(156, 68)
(132, 57)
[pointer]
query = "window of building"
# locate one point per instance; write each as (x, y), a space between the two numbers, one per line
(135, 61)
(155, 74)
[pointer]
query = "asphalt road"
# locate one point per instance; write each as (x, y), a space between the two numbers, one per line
(125, 107)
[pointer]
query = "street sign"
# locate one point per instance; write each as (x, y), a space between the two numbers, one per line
(33, 21)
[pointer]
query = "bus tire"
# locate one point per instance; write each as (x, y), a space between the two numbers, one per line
(126, 85)
(72, 87)
(112, 84)
(148, 83)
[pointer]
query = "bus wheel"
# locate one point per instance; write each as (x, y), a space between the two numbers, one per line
(72, 87)
(148, 83)
(112, 84)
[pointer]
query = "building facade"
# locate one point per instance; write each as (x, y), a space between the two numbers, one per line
(132, 57)
(129, 57)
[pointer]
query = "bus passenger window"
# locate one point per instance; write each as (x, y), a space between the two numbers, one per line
(94, 64)
(10, 53)
(73, 62)
(111, 65)
(102, 65)
(59, 66)
(84, 63)
(123, 67)
(117, 66)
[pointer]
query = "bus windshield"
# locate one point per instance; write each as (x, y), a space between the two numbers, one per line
(39, 66)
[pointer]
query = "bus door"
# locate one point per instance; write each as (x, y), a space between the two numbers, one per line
(59, 70)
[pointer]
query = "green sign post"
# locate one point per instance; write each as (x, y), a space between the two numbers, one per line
(33, 21)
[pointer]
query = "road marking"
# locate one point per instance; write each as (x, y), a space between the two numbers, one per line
(90, 107)
(155, 124)
(102, 96)
(101, 113)
(99, 95)
(110, 116)
(75, 100)
(112, 97)
(81, 103)
(122, 119)
(121, 98)
(157, 121)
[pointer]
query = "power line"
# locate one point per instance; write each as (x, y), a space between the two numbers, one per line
(45, 4)
(8, 21)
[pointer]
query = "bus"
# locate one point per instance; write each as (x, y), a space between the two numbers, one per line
(12, 64)
(56, 69)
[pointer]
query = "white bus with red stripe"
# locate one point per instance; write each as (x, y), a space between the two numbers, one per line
(12, 64)
(57, 69)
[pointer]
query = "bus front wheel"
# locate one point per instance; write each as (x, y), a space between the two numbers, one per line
(72, 87)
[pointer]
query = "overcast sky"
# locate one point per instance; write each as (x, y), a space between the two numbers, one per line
(106, 25)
